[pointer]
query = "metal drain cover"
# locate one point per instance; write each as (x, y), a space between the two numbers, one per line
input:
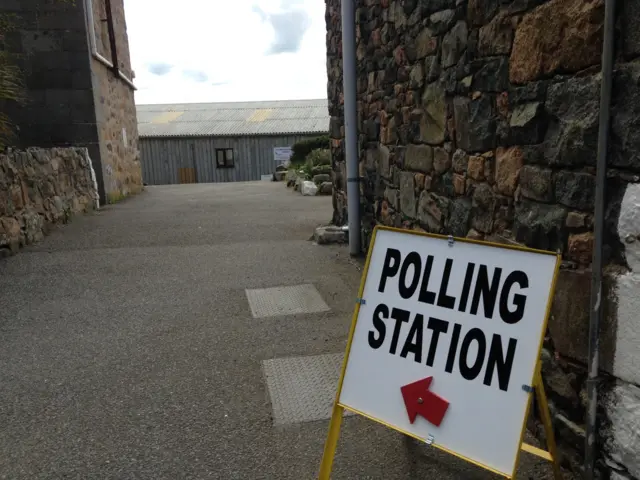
(291, 300)
(302, 389)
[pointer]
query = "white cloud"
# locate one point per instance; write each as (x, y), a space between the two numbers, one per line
(239, 50)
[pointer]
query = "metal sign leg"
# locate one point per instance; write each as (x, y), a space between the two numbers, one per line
(331, 443)
(545, 415)
(551, 454)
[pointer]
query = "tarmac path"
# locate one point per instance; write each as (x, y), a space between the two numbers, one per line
(129, 348)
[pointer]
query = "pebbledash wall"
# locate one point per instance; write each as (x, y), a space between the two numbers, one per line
(479, 118)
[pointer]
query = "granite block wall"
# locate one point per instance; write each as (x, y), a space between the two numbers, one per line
(479, 118)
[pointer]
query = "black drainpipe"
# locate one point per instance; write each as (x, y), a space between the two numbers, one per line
(596, 266)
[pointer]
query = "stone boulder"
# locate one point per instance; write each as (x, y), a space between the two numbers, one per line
(308, 188)
(330, 234)
(300, 179)
(321, 178)
(325, 188)
(290, 178)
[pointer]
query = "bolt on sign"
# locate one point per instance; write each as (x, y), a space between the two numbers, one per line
(445, 343)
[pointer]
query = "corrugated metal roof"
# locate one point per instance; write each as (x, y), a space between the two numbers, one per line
(233, 118)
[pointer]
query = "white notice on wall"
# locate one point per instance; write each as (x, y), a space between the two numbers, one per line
(282, 154)
(447, 336)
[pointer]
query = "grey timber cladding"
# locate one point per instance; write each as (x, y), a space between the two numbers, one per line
(163, 157)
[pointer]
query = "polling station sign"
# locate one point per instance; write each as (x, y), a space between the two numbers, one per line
(446, 340)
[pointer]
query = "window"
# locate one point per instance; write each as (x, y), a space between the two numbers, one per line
(101, 28)
(224, 158)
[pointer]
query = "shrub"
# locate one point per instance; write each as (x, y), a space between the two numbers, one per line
(301, 149)
(302, 170)
(306, 169)
(319, 156)
(321, 169)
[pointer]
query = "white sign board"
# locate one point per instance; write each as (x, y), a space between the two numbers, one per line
(445, 340)
(282, 154)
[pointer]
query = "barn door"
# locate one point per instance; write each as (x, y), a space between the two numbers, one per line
(189, 172)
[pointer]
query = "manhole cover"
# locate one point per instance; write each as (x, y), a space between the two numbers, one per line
(302, 389)
(277, 301)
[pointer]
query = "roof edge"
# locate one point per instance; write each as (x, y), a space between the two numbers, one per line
(270, 134)
(231, 102)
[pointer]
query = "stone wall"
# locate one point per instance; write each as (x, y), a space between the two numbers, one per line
(40, 188)
(115, 108)
(479, 118)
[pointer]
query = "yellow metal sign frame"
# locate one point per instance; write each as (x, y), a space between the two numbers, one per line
(550, 454)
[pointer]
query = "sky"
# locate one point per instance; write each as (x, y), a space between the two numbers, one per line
(227, 50)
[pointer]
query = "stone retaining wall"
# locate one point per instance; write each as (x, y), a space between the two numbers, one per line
(479, 118)
(40, 188)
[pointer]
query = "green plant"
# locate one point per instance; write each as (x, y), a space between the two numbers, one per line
(316, 161)
(301, 149)
(303, 169)
(319, 156)
(327, 169)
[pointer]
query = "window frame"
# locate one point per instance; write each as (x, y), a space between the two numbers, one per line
(105, 15)
(226, 163)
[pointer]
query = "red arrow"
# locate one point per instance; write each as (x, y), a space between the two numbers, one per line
(420, 401)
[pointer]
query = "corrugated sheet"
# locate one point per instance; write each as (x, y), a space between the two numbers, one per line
(233, 119)
(162, 158)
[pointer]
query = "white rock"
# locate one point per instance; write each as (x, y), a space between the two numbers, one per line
(308, 188)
